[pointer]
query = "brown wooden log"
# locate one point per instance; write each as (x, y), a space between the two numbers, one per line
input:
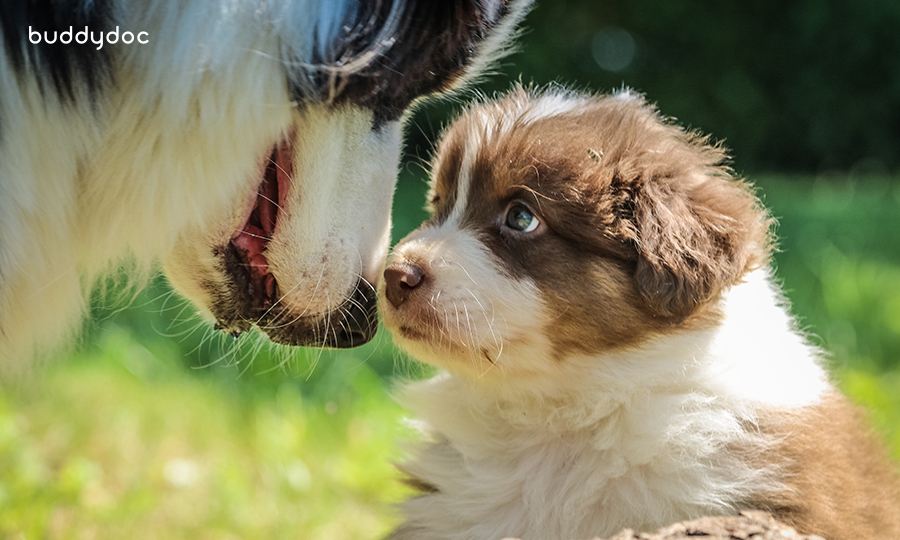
(749, 525)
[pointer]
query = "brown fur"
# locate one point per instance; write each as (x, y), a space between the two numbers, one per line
(611, 178)
(840, 483)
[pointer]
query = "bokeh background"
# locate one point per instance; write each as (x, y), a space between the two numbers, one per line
(158, 427)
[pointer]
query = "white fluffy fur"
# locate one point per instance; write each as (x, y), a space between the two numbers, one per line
(634, 439)
(81, 189)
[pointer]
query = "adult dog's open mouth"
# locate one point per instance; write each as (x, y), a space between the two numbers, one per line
(253, 296)
(250, 241)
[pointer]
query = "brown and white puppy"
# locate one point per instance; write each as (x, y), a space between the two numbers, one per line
(595, 285)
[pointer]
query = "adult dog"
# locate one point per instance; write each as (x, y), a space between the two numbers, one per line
(251, 145)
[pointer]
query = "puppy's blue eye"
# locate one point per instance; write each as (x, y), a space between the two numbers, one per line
(521, 219)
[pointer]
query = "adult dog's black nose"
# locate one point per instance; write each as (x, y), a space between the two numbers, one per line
(360, 321)
(400, 281)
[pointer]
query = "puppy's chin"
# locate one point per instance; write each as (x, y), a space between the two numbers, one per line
(427, 341)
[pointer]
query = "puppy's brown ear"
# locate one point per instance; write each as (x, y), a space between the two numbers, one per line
(696, 235)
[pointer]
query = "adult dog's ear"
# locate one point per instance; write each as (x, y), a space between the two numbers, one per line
(399, 51)
(491, 25)
(695, 236)
(464, 38)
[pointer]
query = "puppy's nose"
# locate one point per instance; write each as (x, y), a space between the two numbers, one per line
(400, 281)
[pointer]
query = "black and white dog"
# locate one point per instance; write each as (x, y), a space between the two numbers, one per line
(252, 145)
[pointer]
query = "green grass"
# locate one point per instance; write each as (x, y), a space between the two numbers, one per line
(839, 262)
(139, 435)
(118, 443)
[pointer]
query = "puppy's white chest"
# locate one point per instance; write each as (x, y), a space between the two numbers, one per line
(500, 472)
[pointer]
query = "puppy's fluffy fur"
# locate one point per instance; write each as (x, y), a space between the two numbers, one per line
(594, 282)
(252, 145)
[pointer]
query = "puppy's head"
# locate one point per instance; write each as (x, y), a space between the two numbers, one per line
(566, 225)
(301, 249)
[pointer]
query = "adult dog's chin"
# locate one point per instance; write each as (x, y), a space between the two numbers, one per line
(250, 298)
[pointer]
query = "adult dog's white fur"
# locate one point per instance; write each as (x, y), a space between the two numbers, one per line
(156, 151)
(628, 363)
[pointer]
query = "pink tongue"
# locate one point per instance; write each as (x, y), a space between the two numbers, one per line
(252, 239)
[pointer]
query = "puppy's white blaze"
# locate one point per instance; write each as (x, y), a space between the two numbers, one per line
(481, 311)
(464, 180)
(332, 232)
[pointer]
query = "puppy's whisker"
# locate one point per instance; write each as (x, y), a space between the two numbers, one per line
(463, 268)
(473, 338)
(497, 338)
(488, 318)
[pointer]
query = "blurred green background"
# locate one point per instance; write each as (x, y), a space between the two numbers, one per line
(158, 427)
